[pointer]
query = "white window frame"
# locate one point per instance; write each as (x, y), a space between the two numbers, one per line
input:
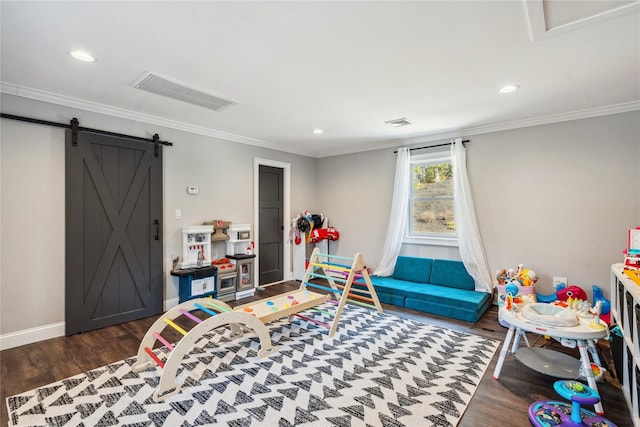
(433, 239)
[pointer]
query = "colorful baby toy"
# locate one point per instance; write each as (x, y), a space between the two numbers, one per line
(563, 293)
(553, 413)
(520, 276)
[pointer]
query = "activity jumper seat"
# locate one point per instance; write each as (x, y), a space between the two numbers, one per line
(552, 413)
(254, 316)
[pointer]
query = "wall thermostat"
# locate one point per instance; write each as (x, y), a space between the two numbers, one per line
(193, 190)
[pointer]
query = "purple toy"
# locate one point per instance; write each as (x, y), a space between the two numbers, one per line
(553, 413)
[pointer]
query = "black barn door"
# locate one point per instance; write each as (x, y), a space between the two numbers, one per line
(270, 243)
(113, 231)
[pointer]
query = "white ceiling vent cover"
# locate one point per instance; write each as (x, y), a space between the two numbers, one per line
(399, 122)
(161, 86)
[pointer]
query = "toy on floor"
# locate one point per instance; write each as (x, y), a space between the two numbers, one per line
(253, 316)
(598, 372)
(553, 413)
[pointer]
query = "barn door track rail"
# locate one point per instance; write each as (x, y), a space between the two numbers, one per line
(75, 127)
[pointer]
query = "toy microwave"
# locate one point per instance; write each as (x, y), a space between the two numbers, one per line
(239, 232)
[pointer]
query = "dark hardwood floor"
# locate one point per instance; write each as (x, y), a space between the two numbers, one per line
(502, 403)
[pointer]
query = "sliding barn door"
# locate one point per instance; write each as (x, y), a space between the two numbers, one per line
(113, 231)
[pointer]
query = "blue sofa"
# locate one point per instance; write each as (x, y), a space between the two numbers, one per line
(436, 286)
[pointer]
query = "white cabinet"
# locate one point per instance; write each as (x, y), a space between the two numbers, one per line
(203, 286)
(625, 312)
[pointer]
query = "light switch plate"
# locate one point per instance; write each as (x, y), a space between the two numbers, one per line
(559, 280)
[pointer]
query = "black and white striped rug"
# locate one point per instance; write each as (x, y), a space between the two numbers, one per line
(378, 370)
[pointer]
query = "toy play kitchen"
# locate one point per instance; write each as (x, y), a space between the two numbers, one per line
(226, 271)
(240, 252)
(226, 279)
(217, 260)
(196, 246)
(196, 275)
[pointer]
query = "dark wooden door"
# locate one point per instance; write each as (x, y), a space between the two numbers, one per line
(113, 231)
(270, 242)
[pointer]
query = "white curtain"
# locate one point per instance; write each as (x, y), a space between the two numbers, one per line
(398, 215)
(469, 240)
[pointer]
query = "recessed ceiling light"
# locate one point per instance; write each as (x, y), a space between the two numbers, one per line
(509, 88)
(81, 55)
(318, 131)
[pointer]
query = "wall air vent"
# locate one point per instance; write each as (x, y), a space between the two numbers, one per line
(161, 86)
(399, 122)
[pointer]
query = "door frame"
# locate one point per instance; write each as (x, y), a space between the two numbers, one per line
(286, 209)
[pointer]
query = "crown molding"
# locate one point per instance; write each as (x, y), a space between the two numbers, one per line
(67, 101)
(498, 127)
(624, 107)
(53, 98)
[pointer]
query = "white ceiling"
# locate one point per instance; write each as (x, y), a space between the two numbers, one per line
(345, 67)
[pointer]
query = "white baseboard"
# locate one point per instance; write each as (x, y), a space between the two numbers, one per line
(46, 332)
(28, 336)
(170, 303)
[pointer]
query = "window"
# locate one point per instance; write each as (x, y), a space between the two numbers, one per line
(431, 210)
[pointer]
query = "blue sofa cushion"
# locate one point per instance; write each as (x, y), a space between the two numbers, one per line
(413, 269)
(390, 285)
(451, 274)
(456, 298)
(390, 298)
(448, 311)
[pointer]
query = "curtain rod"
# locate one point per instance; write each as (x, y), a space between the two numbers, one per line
(74, 126)
(433, 146)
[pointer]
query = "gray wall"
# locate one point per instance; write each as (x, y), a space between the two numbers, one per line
(557, 198)
(32, 197)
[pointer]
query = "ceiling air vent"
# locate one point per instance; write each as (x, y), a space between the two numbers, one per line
(161, 86)
(399, 122)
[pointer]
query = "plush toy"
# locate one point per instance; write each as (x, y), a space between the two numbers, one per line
(501, 276)
(512, 294)
(527, 277)
(521, 276)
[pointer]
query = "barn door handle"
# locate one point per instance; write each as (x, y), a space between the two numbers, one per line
(157, 223)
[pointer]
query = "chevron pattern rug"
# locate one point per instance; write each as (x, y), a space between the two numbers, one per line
(378, 370)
